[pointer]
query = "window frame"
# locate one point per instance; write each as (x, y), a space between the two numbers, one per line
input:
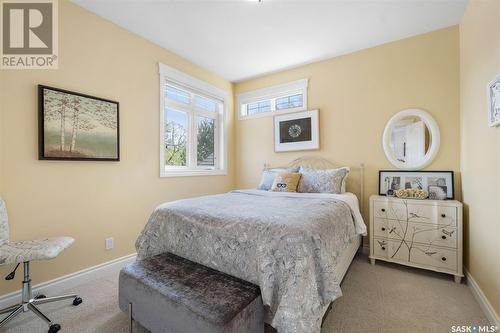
(196, 87)
(272, 93)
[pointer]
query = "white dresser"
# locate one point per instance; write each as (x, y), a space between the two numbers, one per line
(419, 233)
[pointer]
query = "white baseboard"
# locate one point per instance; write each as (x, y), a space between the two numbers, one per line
(485, 305)
(54, 287)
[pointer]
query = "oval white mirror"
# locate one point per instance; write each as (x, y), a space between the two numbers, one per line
(411, 139)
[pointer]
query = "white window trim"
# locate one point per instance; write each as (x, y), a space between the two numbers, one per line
(273, 92)
(168, 73)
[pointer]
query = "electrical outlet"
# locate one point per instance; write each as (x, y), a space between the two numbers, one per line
(109, 243)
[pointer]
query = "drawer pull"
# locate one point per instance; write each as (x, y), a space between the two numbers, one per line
(383, 229)
(443, 258)
(383, 209)
(383, 248)
(443, 237)
(443, 215)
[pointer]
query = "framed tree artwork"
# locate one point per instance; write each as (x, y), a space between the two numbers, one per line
(74, 126)
(296, 131)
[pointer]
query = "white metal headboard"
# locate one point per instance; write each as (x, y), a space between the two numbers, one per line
(355, 180)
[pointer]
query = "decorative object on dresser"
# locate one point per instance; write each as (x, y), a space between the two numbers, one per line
(296, 131)
(411, 193)
(73, 126)
(411, 139)
(438, 184)
(437, 192)
(419, 233)
(494, 102)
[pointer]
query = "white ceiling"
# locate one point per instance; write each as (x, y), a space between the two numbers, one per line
(240, 39)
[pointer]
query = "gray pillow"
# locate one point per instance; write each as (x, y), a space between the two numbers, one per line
(322, 181)
(268, 175)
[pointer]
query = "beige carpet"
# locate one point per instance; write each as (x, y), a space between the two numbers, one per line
(381, 298)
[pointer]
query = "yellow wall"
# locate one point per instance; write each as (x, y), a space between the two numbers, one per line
(356, 95)
(92, 200)
(479, 64)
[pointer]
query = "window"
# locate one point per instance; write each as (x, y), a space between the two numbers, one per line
(192, 131)
(284, 98)
(289, 102)
(258, 107)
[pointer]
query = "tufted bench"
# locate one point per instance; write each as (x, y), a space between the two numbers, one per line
(167, 293)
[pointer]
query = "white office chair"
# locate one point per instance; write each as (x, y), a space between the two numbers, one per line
(24, 252)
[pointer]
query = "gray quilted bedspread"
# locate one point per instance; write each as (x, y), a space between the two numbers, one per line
(286, 244)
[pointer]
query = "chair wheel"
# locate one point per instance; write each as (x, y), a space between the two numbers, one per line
(54, 328)
(40, 296)
(77, 301)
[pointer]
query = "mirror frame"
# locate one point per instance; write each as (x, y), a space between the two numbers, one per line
(435, 138)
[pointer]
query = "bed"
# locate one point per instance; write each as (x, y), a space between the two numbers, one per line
(296, 246)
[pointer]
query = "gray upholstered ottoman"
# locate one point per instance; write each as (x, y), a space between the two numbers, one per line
(170, 294)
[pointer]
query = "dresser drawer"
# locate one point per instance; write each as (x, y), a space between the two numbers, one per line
(417, 254)
(381, 248)
(415, 212)
(435, 257)
(436, 235)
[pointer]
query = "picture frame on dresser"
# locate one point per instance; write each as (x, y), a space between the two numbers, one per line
(439, 184)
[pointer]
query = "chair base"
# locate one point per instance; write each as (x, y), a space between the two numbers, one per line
(30, 304)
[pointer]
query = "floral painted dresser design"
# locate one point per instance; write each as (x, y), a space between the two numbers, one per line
(420, 233)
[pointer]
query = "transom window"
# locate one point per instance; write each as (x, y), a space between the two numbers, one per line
(290, 102)
(258, 107)
(192, 131)
(284, 98)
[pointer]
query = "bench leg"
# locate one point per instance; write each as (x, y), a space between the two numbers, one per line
(130, 319)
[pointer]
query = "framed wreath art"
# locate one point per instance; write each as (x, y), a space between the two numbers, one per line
(296, 131)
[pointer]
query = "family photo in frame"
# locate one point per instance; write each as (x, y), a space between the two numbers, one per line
(438, 184)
